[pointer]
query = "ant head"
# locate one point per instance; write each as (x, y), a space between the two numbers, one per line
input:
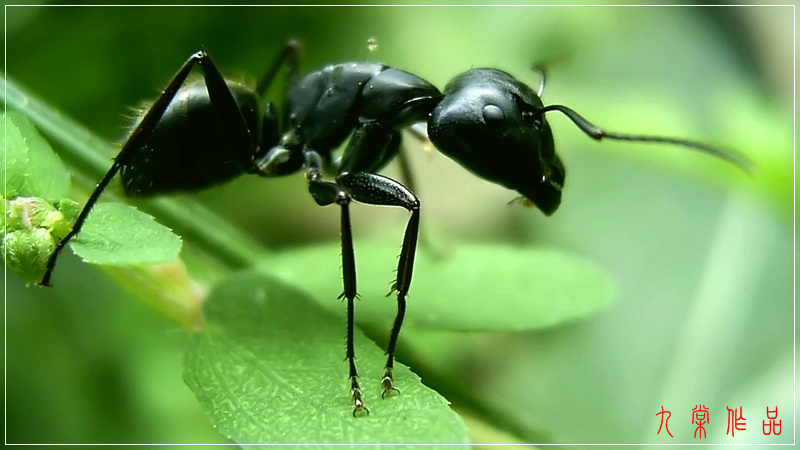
(489, 123)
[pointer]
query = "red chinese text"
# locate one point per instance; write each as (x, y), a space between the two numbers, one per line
(700, 417)
(736, 421)
(664, 421)
(771, 427)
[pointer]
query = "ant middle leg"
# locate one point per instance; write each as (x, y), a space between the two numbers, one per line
(290, 55)
(327, 193)
(370, 147)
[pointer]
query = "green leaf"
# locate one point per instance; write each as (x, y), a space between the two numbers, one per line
(32, 169)
(489, 287)
(118, 234)
(269, 368)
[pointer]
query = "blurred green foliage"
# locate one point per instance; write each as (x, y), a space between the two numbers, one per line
(702, 254)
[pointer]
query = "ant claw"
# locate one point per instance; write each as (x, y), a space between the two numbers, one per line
(359, 408)
(390, 391)
(388, 384)
(358, 403)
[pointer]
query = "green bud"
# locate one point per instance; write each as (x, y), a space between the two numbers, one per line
(62, 219)
(26, 213)
(33, 226)
(26, 252)
(69, 208)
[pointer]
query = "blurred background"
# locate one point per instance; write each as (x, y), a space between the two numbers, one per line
(702, 254)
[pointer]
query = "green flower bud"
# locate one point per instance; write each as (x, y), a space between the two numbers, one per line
(62, 219)
(26, 252)
(26, 213)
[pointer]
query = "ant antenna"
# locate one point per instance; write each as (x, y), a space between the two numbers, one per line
(542, 77)
(597, 133)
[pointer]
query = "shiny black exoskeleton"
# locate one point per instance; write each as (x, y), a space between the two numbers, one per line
(488, 122)
(207, 132)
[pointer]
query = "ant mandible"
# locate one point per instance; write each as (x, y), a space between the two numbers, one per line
(201, 134)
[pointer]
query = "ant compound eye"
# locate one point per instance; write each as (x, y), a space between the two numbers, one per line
(492, 114)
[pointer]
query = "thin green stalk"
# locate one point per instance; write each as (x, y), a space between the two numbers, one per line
(89, 155)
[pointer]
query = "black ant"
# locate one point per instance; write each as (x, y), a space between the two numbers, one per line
(201, 134)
